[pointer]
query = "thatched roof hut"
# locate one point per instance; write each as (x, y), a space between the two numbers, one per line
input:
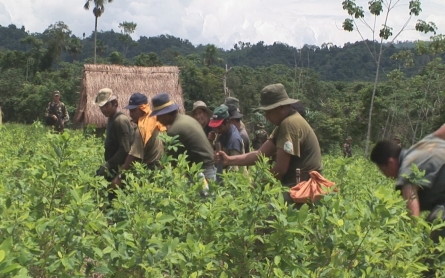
(124, 81)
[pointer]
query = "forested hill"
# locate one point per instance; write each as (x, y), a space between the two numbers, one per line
(351, 62)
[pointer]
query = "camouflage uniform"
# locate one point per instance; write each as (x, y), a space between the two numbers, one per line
(59, 110)
(260, 137)
(347, 148)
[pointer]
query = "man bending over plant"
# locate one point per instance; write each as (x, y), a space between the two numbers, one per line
(189, 132)
(119, 134)
(293, 142)
(421, 193)
(147, 147)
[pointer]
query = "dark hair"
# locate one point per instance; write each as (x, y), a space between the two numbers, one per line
(384, 150)
(299, 108)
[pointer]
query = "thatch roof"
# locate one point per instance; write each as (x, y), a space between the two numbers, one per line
(124, 81)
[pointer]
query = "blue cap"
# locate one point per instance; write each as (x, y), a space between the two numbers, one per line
(136, 100)
(161, 104)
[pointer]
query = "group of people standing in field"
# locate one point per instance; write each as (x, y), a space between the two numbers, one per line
(292, 144)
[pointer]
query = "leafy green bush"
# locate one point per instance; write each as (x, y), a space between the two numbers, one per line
(55, 219)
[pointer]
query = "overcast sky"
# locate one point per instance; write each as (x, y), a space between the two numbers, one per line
(222, 22)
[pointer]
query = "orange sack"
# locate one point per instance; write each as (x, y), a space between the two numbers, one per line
(310, 190)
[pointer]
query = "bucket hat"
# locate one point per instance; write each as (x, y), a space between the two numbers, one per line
(104, 96)
(232, 101)
(234, 112)
(200, 105)
(161, 105)
(273, 96)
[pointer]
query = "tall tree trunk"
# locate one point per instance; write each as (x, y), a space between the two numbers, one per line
(95, 38)
(368, 135)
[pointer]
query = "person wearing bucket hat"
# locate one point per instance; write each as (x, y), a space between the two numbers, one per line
(119, 134)
(235, 119)
(147, 146)
(228, 135)
(260, 136)
(202, 114)
(235, 102)
(347, 147)
(189, 132)
(293, 140)
(56, 113)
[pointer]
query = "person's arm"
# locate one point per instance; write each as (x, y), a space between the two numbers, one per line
(66, 116)
(267, 149)
(47, 113)
(281, 164)
(410, 194)
(123, 132)
(117, 182)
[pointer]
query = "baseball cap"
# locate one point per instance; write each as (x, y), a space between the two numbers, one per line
(219, 115)
(136, 100)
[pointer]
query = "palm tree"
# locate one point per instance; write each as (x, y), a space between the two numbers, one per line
(99, 9)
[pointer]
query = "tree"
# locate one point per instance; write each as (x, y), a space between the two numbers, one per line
(210, 55)
(116, 58)
(56, 37)
(98, 10)
(74, 47)
(380, 8)
(128, 28)
(147, 60)
(101, 48)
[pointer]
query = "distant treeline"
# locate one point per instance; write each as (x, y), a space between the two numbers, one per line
(351, 62)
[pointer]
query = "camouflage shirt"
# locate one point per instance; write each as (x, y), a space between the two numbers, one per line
(347, 150)
(58, 109)
(259, 139)
(429, 156)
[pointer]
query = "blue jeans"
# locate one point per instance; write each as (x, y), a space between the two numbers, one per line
(209, 172)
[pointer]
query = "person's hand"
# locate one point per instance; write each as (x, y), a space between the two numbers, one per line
(223, 157)
(55, 117)
(116, 183)
(211, 136)
(101, 171)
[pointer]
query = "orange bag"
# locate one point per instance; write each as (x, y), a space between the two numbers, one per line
(310, 190)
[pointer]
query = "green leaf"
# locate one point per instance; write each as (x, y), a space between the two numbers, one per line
(165, 218)
(10, 268)
(277, 260)
(107, 250)
(2, 255)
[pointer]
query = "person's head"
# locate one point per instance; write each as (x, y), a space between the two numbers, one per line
(56, 96)
(385, 155)
(134, 105)
(107, 102)
(201, 113)
(349, 139)
(275, 103)
(234, 115)
(220, 121)
(164, 109)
